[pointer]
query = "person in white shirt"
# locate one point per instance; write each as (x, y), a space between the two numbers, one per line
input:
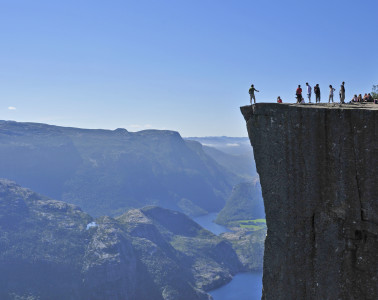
(308, 92)
(331, 90)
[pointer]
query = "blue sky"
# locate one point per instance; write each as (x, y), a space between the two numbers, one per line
(178, 65)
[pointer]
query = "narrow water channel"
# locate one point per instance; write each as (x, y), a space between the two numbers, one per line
(207, 222)
(244, 286)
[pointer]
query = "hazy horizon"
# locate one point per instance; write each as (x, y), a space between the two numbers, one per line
(182, 66)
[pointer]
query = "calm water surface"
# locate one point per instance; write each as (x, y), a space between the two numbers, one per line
(206, 222)
(244, 286)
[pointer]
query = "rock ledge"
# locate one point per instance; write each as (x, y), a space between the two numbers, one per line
(318, 172)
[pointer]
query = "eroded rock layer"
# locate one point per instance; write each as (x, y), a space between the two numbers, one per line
(318, 172)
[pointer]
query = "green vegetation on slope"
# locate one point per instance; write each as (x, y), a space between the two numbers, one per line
(245, 203)
(249, 224)
(249, 246)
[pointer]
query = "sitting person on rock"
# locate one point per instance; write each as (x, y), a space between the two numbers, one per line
(359, 98)
(369, 98)
(279, 100)
(355, 99)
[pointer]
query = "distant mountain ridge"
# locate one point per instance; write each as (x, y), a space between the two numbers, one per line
(107, 172)
(233, 153)
(229, 145)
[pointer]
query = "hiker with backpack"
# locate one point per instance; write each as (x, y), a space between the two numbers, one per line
(252, 94)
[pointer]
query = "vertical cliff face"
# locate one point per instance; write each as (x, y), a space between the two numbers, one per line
(318, 172)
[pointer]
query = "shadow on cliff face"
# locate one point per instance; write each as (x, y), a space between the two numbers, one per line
(317, 166)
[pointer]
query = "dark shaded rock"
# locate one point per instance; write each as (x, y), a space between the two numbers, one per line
(109, 265)
(52, 250)
(206, 260)
(42, 243)
(318, 172)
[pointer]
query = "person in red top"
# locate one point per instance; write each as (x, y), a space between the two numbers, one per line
(279, 100)
(299, 94)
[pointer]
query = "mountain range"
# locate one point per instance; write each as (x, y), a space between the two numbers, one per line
(110, 171)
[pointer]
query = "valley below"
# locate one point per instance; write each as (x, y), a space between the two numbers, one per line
(121, 226)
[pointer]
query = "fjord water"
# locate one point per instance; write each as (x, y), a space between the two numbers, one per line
(244, 286)
(207, 222)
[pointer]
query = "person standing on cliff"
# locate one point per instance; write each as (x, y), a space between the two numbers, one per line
(299, 94)
(317, 93)
(331, 90)
(308, 92)
(252, 94)
(342, 93)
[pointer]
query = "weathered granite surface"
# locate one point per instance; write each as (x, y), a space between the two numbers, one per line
(318, 172)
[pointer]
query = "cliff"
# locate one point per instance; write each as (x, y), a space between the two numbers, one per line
(318, 172)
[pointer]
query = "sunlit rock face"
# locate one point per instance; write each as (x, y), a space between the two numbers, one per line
(318, 172)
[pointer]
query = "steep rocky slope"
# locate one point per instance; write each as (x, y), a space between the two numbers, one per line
(244, 203)
(47, 252)
(318, 172)
(52, 250)
(249, 246)
(107, 172)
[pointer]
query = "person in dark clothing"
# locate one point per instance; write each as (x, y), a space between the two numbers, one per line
(299, 94)
(342, 93)
(252, 94)
(317, 93)
(369, 98)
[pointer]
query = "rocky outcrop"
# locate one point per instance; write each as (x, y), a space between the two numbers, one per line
(53, 250)
(318, 172)
(249, 246)
(47, 252)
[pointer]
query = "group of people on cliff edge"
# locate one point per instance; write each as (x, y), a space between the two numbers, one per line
(367, 98)
(300, 98)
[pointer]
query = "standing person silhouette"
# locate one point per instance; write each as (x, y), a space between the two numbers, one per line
(252, 94)
(342, 92)
(298, 92)
(308, 92)
(331, 90)
(317, 93)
